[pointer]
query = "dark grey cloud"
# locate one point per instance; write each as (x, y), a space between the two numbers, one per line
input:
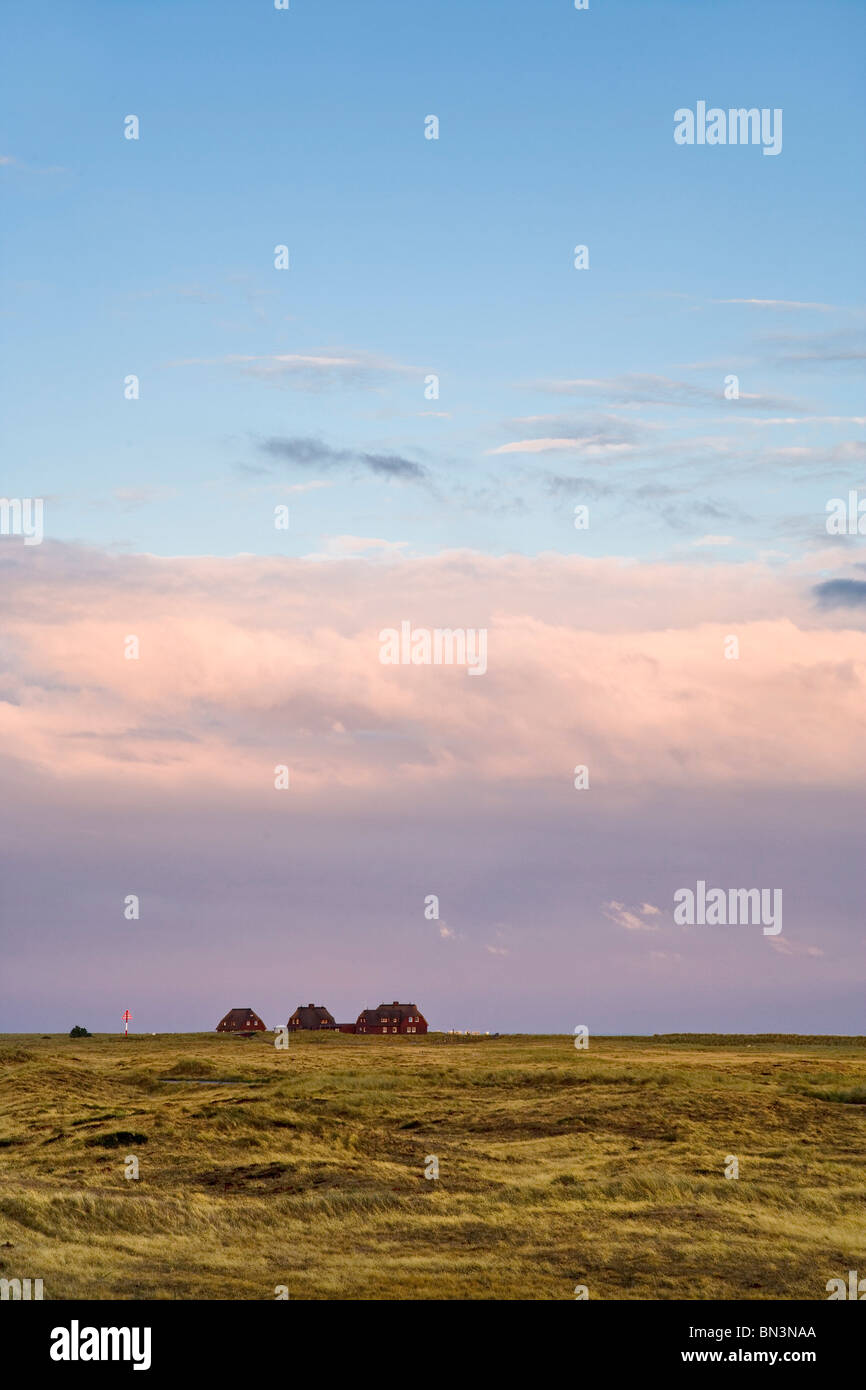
(305, 451)
(707, 510)
(562, 485)
(393, 466)
(818, 349)
(841, 593)
(308, 452)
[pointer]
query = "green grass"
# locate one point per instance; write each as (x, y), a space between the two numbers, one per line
(558, 1167)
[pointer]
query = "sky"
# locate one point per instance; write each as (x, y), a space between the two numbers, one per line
(431, 390)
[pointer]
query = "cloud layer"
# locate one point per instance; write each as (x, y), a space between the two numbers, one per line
(250, 662)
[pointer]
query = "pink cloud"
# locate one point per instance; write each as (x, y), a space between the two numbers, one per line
(249, 662)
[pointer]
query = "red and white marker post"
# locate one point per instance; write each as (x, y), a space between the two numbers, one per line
(127, 1018)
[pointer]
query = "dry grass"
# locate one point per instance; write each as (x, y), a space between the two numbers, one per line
(305, 1167)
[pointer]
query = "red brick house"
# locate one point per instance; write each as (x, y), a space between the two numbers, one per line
(391, 1018)
(243, 1021)
(311, 1017)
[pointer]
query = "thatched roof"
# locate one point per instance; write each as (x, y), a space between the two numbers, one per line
(387, 1012)
(311, 1016)
(240, 1021)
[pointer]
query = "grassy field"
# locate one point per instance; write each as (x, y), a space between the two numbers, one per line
(558, 1167)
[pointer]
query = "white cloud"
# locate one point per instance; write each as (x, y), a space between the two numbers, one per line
(786, 947)
(591, 448)
(802, 420)
(349, 368)
(779, 304)
(357, 547)
(622, 916)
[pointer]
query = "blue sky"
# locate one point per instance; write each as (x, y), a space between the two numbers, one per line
(409, 256)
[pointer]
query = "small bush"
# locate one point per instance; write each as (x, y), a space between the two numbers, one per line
(116, 1139)
(852, 1095)
(192, 1067)
(79, 1032)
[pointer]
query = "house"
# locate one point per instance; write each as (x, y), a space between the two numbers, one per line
(243, 1021)
(391, 1018)
(311, 1017)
